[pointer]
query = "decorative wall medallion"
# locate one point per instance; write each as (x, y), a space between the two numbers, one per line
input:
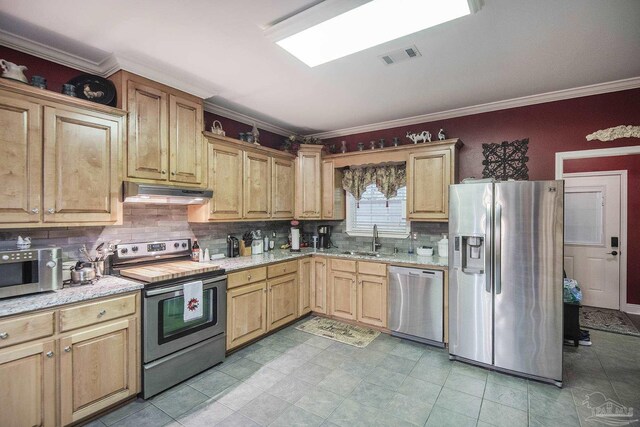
(614, 133)
(507, 160)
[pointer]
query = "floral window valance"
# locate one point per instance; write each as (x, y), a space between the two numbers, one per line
(388, 179)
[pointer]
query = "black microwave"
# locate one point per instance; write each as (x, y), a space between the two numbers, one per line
(27, 271)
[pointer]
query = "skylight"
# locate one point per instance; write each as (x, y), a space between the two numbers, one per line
(371, 24)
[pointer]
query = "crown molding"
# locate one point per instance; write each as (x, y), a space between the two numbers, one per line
(52, 54)
(243, 118)
(596, 89)
(109, 65)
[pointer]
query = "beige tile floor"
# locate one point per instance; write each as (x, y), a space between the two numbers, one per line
(292, 378)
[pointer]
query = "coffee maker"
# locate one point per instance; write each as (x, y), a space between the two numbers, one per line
(233, 247)
(324, 236)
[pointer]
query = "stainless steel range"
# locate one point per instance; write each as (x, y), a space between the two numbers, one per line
(174, 349)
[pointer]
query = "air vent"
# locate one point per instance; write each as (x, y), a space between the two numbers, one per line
(400, 55)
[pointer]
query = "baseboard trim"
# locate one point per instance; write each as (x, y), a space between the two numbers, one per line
(631, 308)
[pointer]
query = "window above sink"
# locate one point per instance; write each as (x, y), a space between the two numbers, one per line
(391, 220)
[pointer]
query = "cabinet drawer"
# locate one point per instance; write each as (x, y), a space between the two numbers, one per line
(372, 268)
(25, 329)
(343, 265)
(276, 270)
(90, 314)
(247, 276)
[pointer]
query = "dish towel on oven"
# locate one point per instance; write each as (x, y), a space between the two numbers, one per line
(192, 301)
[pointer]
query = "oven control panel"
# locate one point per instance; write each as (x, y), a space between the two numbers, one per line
(153, 249)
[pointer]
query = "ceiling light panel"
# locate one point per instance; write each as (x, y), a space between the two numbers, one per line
(369, 25)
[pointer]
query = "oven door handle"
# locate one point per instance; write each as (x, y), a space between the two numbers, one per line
(209, 284)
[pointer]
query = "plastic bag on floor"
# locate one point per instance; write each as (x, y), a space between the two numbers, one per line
(572, 293)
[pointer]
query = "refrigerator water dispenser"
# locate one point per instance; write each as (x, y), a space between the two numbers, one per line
(469, 254)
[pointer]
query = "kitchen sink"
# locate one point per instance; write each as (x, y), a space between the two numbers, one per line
(362, 253)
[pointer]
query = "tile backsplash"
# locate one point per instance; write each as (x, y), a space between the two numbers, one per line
(144, 222)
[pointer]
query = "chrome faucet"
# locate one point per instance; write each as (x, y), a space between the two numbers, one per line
(374, 243)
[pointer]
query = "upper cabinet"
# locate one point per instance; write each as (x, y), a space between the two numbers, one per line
(165, 143)
(430, 171)
(333, 195)
(308, 182)
(249, 182)
(59, 159)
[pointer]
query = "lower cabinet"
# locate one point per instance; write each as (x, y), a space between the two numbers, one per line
(27, 391)
(97, 369)
(342, 291)
(304, 286)
(62, 378)
(372, 300)
(318, 285)
(282, 300)
(246, 313)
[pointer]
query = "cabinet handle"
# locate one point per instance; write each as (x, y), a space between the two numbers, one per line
(35, 210)
(163, 172)
(173, 173)
(50, 354)
(50, 210)
(4, 335)
(265, 291)
(67, 349)
(248, 277)
(102, 313)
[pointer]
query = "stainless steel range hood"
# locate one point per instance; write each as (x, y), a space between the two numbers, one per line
(135, 192)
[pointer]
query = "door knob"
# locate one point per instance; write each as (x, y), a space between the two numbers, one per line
(35, 210)
(614, 253)
(50, 210)
(67, 349)
(4, 335)
(50, 354)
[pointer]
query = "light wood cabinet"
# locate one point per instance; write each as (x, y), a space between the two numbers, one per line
(20, 160)
(319, 285)
(27, 394)
(372, 300)
(225, 178)
(304, 286)
(59, 159)
(51, 377)
(429, 174)
(97, 369)
(165, 143)
(342, 295)
(333, 195)
(246, 313)
(257, 185)
(81, 182)
(308, 182)
(282, 193)
(282, 302)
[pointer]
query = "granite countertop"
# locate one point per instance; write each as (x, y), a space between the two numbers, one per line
(107, 285)
(278, 255)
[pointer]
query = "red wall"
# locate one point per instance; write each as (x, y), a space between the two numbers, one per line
(632, 165)
(232, 128)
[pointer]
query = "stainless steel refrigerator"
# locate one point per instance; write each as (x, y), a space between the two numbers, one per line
(505, 276)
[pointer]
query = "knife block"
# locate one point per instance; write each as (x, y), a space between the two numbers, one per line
(244, 250)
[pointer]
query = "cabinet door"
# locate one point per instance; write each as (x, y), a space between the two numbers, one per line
(428, 179)
(257, 185)
(225, 178)
(27, 391)
(342, 294)
(319, 285)
(282, 172)
(304, 286)
(20, 160)
(246, 313)
(372, 300)
(185, 140)
(308, 185)
(81, 182)
(282, 303)
(98, 367)
(148, 132)
(333, 196)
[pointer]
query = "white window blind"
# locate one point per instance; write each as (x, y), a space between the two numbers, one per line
(391, 220)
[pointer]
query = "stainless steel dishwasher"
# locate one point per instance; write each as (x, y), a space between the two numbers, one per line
(416, 304)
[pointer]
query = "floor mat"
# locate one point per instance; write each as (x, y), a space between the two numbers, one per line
(349, 334)
(605, 319)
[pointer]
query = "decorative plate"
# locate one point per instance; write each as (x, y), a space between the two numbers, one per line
(95, 89)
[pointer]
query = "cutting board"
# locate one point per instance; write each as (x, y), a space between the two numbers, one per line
(166, 271)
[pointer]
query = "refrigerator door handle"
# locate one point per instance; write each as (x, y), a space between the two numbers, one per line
(498, 249)
(487, 251)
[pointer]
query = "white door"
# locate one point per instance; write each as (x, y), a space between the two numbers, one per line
(592, 237)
